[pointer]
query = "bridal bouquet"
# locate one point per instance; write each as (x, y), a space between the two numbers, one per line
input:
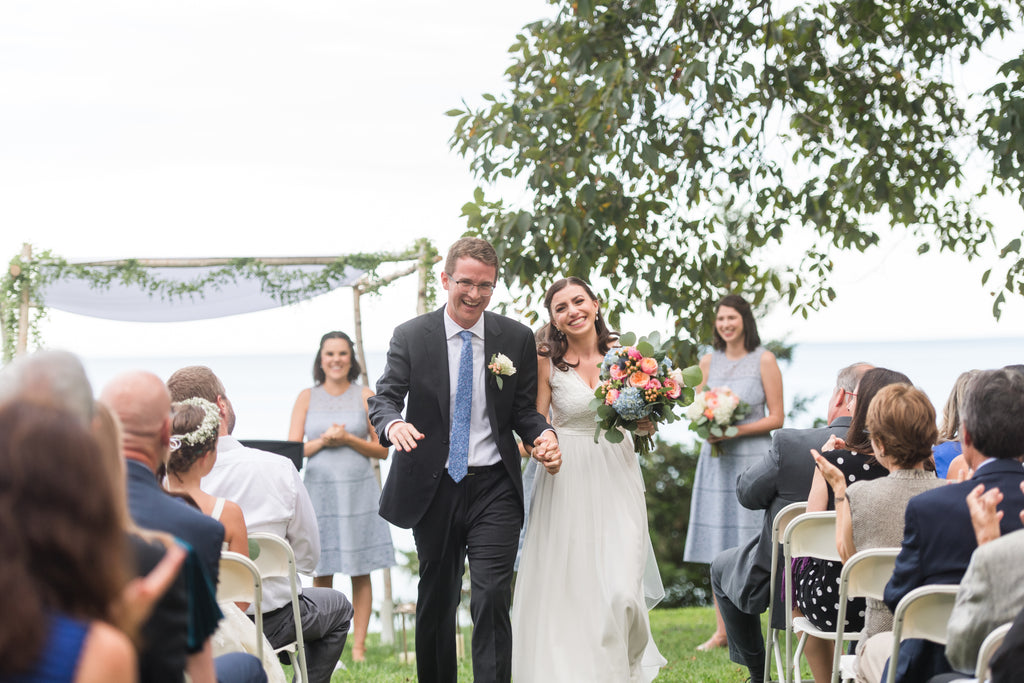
(639, 381)
(715, 412)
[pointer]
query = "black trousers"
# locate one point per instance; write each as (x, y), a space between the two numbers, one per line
(746, 642)
(478, 518)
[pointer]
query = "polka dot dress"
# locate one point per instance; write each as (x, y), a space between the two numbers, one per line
(817, 581)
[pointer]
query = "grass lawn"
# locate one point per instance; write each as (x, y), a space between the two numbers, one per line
(676, 631)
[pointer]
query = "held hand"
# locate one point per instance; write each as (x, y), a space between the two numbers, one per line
(140, 594)
(404, 436)
(546, 451)
(646, 427)
(984, 515)
(834, 443)
(833, 475)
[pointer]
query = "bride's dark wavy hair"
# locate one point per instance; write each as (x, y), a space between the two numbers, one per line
(552, 344)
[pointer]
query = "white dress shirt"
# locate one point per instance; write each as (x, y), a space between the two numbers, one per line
(483, 447)
(273, 499)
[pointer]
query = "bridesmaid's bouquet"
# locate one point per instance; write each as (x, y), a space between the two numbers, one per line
(638, 381)
(715, 412)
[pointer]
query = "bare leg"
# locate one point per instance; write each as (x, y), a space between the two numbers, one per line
(718, 638)
(362, 602)
(819, 653)
(324, 581)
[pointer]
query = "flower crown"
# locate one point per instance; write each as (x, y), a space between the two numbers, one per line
(206, 430)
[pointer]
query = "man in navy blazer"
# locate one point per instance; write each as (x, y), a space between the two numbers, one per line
(938, 537)
(740, 576)
(143, 404)
(483, 511)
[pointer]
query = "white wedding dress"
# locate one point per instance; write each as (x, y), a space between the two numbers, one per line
(587, 575)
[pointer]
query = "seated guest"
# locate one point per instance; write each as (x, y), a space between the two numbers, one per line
(992, 591)
(938, 537)
(64, 553)
(948, 446)
(195, 423)
(155, 602)
(740, 576)
(869, 514)
(273, 499)
(141, 402)
(813, 577)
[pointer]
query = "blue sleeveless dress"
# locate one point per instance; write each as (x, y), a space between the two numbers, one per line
(354, 539)
(59, 658)
(717, 520)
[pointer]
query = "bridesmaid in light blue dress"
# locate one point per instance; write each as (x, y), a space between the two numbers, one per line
(739, 362)
(340, 442)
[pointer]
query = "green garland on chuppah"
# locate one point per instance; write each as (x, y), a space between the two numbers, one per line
(285, 286)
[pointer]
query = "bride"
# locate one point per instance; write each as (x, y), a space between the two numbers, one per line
(579, 611)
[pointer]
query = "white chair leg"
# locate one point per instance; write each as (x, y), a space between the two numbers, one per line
(797, 654)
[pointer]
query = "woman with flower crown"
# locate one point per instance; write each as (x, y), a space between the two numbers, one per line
(739, 362)
(586, 575)
(195, 423)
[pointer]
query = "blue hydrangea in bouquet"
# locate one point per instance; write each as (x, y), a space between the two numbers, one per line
(639, 381)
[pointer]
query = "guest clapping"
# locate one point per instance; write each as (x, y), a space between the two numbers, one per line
(340, 442)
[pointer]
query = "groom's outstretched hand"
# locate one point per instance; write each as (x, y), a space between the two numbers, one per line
(404, 436)
(546, 451)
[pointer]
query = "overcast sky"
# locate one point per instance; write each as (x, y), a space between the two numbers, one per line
(230, 128)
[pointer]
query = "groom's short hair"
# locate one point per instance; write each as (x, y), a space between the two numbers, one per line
(474, 248)
(195, 380)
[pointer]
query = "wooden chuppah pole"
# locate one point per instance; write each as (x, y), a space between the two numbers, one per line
(22, 345)
(387, 604)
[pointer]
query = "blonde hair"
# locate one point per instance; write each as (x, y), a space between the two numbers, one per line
(950, 427)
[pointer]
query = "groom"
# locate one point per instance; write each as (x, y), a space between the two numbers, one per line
(455, 478)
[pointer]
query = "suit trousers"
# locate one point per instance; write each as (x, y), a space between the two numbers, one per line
(478, 518)
(746, 642)
(326, 617)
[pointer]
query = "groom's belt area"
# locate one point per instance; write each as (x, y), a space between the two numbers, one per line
(485, 469)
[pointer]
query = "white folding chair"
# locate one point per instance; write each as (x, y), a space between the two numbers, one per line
(864, 575)
(275, 558)
(988, 648)
(240, 581)
(922, 613)
(812, 534)
(772, 646)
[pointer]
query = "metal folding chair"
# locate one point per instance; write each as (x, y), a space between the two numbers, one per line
(812, 534)
(865, 575)
(988, 648)
(276, 559)
(922, 613)
(772, 644)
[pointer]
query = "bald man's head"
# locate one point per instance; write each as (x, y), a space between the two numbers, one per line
(142, 403)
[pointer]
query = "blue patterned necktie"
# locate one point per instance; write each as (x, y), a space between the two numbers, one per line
(458, 452)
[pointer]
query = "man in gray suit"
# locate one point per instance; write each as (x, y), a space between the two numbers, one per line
(740, 576)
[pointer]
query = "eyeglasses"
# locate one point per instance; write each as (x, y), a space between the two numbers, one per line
(467, 286)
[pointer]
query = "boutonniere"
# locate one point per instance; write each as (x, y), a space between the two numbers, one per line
(501, 365)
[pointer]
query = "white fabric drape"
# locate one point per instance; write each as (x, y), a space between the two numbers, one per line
(132, 303)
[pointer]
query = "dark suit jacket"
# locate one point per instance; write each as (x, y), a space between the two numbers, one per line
(153, 508)
(163, 637)
(417, 369)
(782, 477)
(938, 540)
